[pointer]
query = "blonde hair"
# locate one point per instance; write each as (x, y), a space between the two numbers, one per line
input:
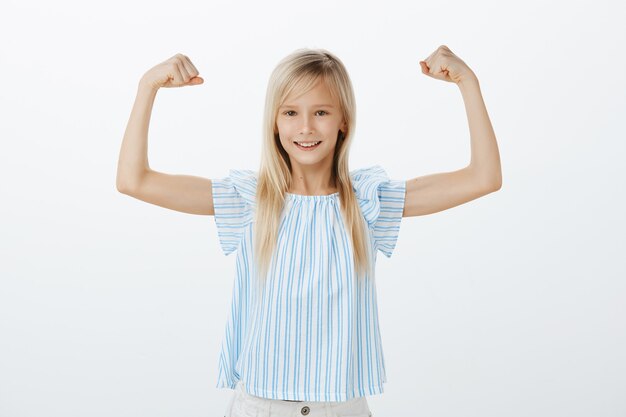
(299, 72)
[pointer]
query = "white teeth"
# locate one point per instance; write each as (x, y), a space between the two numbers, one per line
(308, 144)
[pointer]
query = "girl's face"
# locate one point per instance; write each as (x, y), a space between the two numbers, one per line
(310, 117)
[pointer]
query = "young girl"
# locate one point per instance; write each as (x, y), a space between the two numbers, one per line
(302, 336)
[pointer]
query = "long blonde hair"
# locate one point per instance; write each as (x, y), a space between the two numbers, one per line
(298, 72)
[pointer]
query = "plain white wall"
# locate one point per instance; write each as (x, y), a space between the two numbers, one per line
(509, 305)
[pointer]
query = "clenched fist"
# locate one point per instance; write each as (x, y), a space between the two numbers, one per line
(444, 65)
(178, 71)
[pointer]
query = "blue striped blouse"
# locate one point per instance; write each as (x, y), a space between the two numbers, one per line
(312, 332)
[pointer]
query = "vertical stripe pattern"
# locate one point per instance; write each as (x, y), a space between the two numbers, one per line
(312, 333)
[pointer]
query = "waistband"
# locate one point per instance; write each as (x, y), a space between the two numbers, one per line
(253, 405)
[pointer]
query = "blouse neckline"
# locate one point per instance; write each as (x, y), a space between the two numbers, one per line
(311, 197)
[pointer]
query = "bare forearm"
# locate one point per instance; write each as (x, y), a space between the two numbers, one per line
(133, 157)
(485, 159)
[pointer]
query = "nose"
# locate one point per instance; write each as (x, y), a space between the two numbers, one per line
(306, 126)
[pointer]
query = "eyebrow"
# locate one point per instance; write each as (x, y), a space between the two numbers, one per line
(315, 105)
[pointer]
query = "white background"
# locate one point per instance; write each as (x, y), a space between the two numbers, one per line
(509, 305)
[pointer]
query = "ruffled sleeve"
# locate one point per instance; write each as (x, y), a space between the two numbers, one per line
(234, 202)
(382, 203)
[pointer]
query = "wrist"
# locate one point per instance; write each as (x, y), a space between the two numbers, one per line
(469, 80)
(147, 86)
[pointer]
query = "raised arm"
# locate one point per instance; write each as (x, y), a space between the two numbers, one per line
(185, 193)
(437, 192)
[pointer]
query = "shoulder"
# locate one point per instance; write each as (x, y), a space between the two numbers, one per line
(242, 182)
(367, 180)
(368, 170)
(245, 176)
(375, 191)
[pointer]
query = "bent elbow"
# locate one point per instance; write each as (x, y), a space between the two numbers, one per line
(122, 187)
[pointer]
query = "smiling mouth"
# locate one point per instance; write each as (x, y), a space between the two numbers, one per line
(307, 145)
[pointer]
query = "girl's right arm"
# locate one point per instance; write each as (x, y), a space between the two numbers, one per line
(185, 193)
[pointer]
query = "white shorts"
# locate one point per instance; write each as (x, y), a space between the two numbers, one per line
(243, 404)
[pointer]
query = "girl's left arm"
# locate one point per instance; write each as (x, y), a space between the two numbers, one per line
(440, 191)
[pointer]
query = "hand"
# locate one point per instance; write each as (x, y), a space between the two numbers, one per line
(444, 65)
(178, 71)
